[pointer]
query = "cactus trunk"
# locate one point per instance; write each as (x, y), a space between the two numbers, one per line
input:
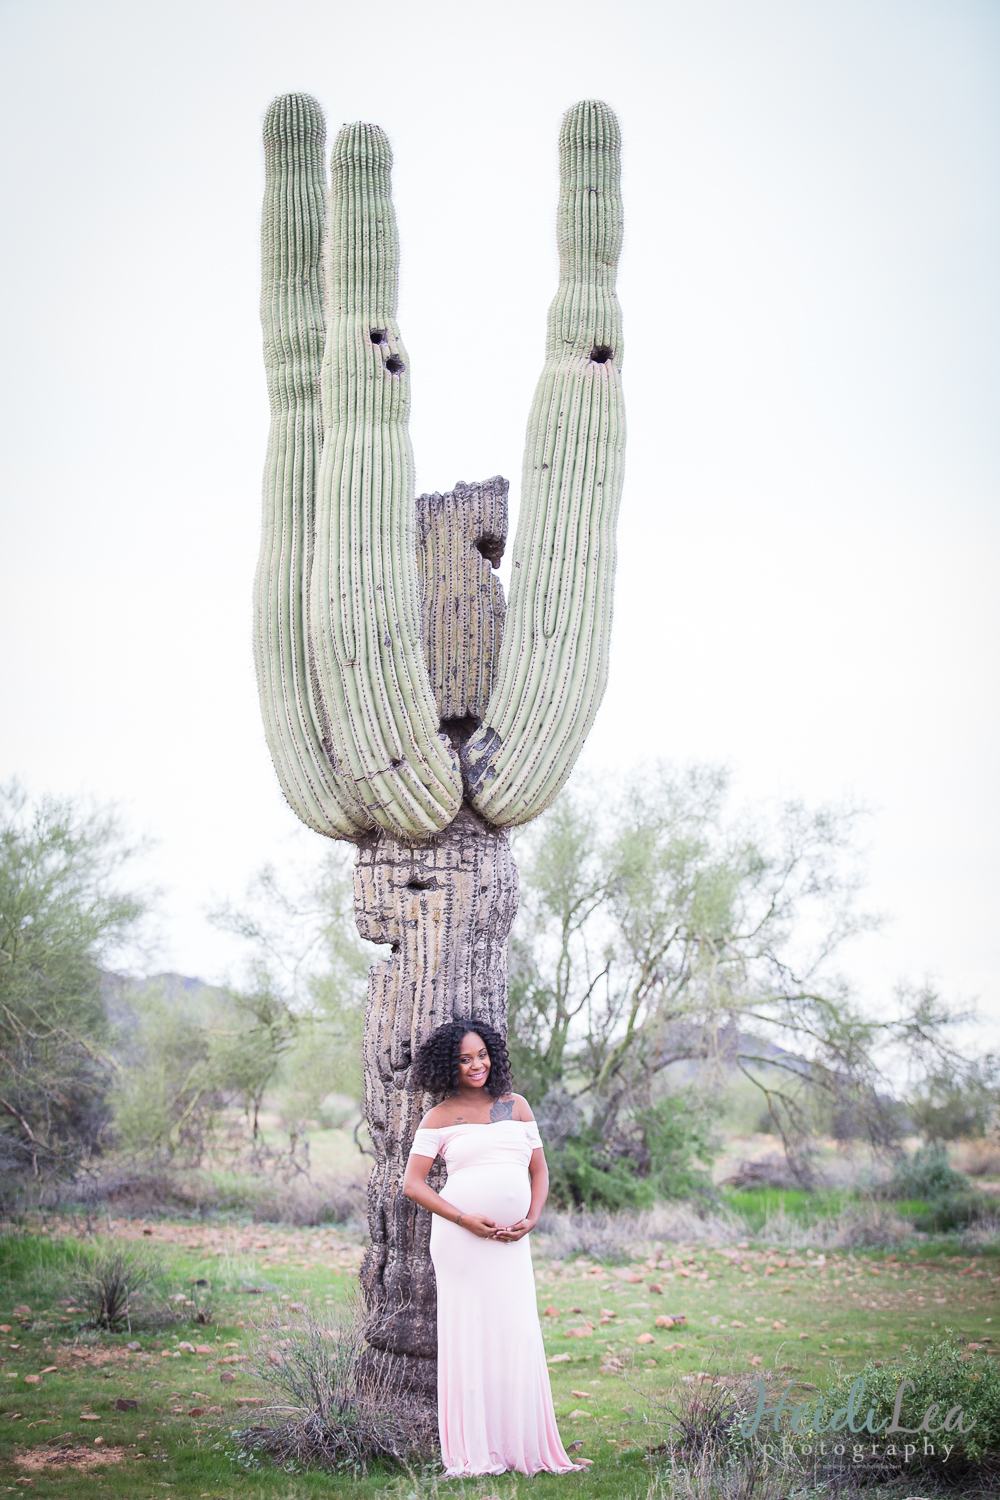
(446, 908)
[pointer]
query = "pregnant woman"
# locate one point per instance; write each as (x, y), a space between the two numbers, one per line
(494, 1401)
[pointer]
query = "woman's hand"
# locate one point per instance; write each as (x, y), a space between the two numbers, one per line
(515, 1232)
(484, 1229)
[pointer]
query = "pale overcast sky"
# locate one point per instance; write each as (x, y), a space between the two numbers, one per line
(807, 589)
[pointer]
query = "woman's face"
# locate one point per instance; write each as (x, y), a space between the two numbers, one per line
(473, 1061)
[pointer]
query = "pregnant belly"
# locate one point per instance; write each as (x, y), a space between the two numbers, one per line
(502, 1194)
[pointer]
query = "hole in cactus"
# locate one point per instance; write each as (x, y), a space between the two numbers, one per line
(395, 365)
(377, 335)
(397, 764)
(460, 730)
(490, 547)
(421, 885)
(601, 354)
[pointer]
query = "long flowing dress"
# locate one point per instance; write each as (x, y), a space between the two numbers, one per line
(495, 1407)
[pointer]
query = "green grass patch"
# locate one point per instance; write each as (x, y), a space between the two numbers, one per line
(818, 1319)
(756, 1205)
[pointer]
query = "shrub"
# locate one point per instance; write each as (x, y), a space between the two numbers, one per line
(945, 1375)
(926, 1175)
(340, 1418)
(652, 1155)
(584, 1174)
(702, 1456)
(111, 1282)
(935, 1197)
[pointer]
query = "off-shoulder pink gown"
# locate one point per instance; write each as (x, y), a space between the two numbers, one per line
(495, 1407)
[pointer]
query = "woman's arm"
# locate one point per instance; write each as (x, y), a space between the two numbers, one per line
(539, 1173)
(417, 1188)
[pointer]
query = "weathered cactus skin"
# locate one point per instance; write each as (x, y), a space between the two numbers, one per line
(554, 658)
(364, 609)
(292, 294)
(462, 536)
(446, 908)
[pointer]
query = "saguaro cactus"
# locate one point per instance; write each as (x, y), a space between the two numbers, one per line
(401, 711)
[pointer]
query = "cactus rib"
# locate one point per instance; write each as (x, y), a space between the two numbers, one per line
(364, 599)
(292, 318)
(553, 662)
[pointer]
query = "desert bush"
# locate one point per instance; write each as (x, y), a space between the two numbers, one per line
(926, 1175)
(62, 916)
(694, 1440)
(716, 1474)
(627, 1160)
(113, 1282)
(959, 1098)
(329, 1413)
(930, 1193)
(945, 1376)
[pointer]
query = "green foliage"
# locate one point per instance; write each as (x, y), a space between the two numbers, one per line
(183, 1056)
(582, 1174)
(305, 949)
(63, 916)
(677, 1132)
(931, 1193)
(657, 929)
(293, 1032)
(925, 1174)
(959, 1099)
(661, 1157)
(944, 1375)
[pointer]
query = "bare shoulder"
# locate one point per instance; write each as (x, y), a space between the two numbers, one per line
(522, 1109)
(436, 1118)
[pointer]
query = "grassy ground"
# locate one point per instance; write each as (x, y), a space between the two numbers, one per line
(790, 1315)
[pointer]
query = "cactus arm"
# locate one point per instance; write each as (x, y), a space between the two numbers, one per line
(364, 594)
(292, 318)
(553, 661)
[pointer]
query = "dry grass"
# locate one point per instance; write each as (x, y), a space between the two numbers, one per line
(133, 1189)
(984, 1231)
(37, 1460)
(863, 1224)
(977, 1158)
(615, 1236)
(327, 1412)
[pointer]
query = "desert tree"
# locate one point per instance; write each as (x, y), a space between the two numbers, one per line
(67, 913)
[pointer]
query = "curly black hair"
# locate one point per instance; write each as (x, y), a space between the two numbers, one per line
(435, 1067)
